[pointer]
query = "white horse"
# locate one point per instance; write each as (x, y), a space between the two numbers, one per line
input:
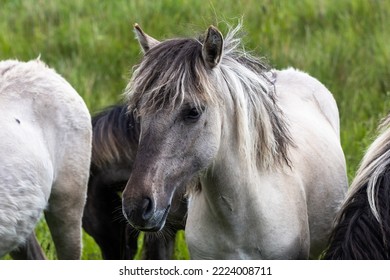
(264, 143)
(45, 150)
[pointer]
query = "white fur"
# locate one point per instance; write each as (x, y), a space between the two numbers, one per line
(45, 149)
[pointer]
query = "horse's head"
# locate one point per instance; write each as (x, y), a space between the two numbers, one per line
(171, 92)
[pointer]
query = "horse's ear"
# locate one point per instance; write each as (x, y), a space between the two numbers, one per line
(144, 39)
(212, 47)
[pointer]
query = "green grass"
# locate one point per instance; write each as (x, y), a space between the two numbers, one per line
(345, 44)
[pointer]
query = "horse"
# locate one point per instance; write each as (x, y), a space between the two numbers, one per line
(45, 153)
(362, 227)
(114, 145)
(264, 144)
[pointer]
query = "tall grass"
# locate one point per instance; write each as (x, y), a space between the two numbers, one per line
(345, 44)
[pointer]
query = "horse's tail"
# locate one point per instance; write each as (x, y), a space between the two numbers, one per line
(362, 228)
(115, 136)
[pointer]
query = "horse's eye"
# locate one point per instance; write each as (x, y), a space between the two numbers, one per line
(193, 114)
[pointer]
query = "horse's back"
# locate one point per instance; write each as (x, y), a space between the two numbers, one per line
(37, 95)
(317, 157)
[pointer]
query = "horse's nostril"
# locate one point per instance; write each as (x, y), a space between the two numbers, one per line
(128, 213)
(147, 208)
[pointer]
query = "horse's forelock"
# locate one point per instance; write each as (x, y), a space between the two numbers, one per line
(168, 73)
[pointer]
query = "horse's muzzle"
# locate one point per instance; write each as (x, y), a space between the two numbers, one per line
(144, 216)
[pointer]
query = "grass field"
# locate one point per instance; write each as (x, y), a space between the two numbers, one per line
(344, 44)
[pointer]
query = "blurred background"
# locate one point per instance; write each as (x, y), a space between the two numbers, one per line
(344, 44)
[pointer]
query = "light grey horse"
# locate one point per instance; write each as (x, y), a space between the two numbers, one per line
(264, 143)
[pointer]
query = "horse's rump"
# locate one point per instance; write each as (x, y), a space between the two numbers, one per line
(46, 147)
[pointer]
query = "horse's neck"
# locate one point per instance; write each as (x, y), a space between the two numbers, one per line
(228, 185)
(223, 210)
(229, 180)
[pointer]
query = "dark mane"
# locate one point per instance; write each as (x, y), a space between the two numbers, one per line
(358, 235)
(115, 136)
(362, 228)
